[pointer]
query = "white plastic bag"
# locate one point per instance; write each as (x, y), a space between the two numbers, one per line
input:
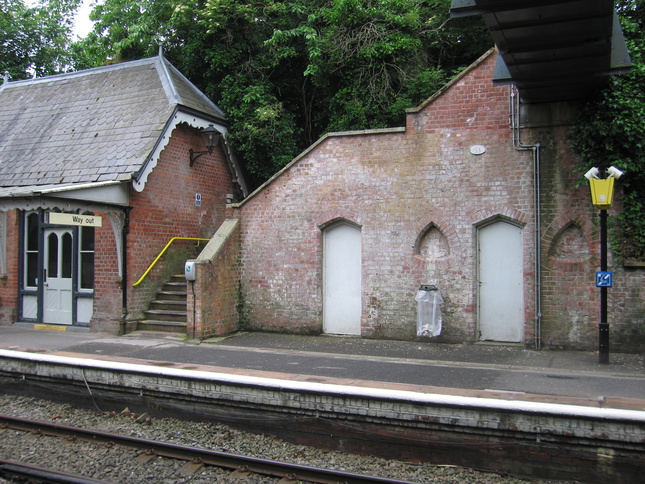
(429, 318)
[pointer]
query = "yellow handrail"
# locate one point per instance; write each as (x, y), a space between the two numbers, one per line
(162, 253)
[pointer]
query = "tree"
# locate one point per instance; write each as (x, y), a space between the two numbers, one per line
(610, 129)
(35, 40)
(286, 72)
(374, 59)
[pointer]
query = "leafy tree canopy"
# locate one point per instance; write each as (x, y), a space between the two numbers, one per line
(35, 40)
(611, 131)
(286, 72)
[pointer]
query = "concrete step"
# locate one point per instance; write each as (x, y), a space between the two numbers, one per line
(161, 326)
(168, 311)
(168, 304)
(166, 315)
(172, 295)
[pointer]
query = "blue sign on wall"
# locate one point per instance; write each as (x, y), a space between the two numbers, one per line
(604, 279)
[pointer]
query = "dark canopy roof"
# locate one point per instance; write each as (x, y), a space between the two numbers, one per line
(552, 50)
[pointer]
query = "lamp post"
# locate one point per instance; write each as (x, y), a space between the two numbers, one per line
(602, 195)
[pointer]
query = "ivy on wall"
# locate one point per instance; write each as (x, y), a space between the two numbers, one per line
(610, 130)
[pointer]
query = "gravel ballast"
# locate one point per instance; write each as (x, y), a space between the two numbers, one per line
(115, 464)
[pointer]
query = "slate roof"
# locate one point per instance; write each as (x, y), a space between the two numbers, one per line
(95, 125)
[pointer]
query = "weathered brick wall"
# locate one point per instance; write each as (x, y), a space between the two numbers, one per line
(626, 308)
(108, 283)
(419, 195)
(166, 208)
(9, 279)
(214, 296)
(571, 253)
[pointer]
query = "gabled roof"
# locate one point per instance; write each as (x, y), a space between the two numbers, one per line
(95, 125)
(552, 50)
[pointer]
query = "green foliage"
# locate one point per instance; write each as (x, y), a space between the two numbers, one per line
(262, 129)
(286, 72)
(610, 130)
(35, 40)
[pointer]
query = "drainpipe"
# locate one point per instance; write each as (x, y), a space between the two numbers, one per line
(516, 126)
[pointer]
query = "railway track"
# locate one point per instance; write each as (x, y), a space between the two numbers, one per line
(240, 467)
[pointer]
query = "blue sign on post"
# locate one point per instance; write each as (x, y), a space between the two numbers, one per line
(604, 279)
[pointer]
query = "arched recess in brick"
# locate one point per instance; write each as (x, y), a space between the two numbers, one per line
(570, 245)
(569, 305)
(568, 242)
(432, 244)
(437, 240)
(435, 250)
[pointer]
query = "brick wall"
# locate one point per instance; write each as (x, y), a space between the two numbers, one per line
(412, 192)
(108, 283)
(571, 256)
(166, 208)
(214, 296)
(419, 196)
(9, 279)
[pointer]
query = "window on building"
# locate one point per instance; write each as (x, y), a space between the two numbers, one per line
(86, 265)
(31, 250)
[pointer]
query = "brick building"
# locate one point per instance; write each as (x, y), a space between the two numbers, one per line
(337, 242)
(341, 239)
(95, 179)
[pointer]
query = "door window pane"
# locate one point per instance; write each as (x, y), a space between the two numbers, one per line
(66, 263)
(52, 255)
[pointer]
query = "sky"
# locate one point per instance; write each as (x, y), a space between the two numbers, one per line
(83, 24)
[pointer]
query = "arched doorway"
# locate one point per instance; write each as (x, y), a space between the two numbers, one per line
(342, 279)
(501, 288)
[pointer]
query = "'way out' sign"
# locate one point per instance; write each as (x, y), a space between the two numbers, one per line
(75, 219)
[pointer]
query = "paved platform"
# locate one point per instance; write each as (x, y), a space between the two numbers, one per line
(479, 367)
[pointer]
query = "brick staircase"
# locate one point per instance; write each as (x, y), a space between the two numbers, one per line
(168, 311)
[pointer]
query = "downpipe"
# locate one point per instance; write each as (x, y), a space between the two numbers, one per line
(516, 126)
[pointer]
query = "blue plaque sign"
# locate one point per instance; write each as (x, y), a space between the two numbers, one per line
(604, 279)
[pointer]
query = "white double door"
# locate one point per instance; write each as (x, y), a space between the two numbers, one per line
(57, 276)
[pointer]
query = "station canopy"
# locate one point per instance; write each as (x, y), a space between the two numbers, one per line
(552, 50)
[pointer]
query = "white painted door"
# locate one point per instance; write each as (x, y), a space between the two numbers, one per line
(501, 289)
(342, 280)
(57, 278)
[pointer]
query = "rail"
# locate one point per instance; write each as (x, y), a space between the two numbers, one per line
(154, 262)
(287, 471)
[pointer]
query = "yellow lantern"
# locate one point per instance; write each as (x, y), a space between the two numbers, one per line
(602, 192)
